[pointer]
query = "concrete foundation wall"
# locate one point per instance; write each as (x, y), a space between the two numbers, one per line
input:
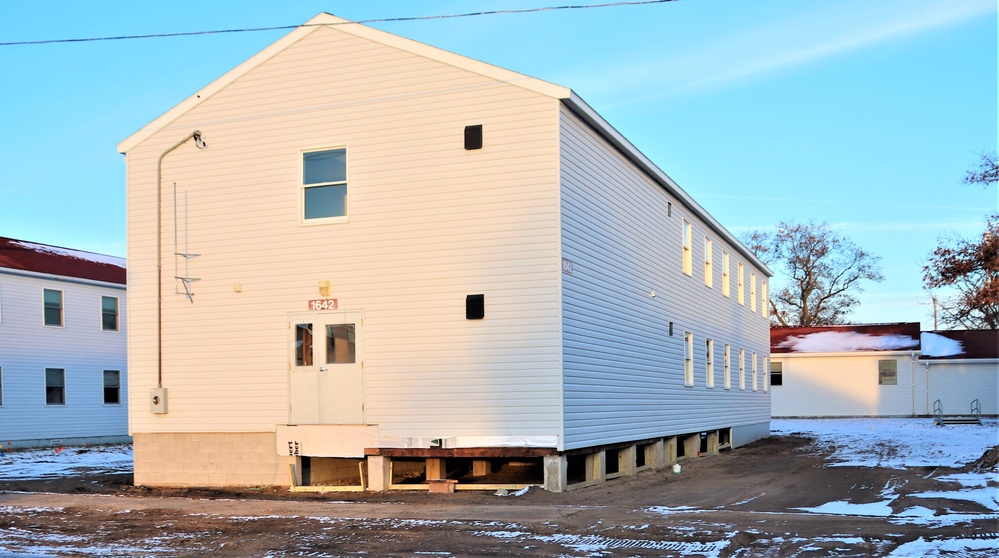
(209, 459)
(749, 433)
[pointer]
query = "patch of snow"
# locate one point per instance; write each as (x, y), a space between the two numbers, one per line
(935, 345)
(844, 341)
(66, 462)
(986, 497)
(895, 443)
(842, 507)
(945, 547)
(69, 252)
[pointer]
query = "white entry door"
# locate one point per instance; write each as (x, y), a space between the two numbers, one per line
(326, 382)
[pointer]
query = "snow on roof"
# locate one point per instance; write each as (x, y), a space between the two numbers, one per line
(845, 338)
(954, 344)
(55, 260)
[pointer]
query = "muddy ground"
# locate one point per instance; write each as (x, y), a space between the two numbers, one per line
(743, 503)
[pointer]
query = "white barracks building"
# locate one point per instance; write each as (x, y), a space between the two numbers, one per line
(356, 260)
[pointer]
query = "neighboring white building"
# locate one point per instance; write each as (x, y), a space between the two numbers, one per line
(391, 255)
(882, 370)
(63, 367)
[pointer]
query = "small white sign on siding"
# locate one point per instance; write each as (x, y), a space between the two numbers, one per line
(567, 266)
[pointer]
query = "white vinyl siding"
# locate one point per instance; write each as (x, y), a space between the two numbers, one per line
(429, 223)
(81, 348)
(624, 373)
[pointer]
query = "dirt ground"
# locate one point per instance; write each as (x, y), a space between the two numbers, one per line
(742, 503)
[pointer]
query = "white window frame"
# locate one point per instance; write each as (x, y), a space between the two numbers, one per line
(104, 388)
(755, 371)
(62, 308)
(764, 300)
(64, 390)
(752, 292)
(881, 378)
(688, 359)
(741, 283)
(117, 313)
(709, 279)
(766, 374)
(726, 279)
(781, 365)
(709, 362)
(727, 363)
(688, 240)
(742, 369)
(302, 187)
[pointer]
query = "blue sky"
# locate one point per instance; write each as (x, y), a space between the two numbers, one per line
(862, 114)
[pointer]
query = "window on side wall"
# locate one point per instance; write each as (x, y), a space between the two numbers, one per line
(688, 358)
(766, 374)
(688, 257)
(52, 308)
(112, 387)
(888, 372)
(742, 369)
(709, 362)
(708, 271)
(727, 360)
(755, 372)
(109, 313)
(752, 292)
(324, 185)
(741, 284)
(764, 301)
(776, 373)
(726, 280)
(55, 386)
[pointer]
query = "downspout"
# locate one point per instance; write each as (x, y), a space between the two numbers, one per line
(196, 136)
(912, 378)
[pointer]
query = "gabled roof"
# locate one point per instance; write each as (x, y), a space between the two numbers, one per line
(565, 95)
(53, 260)
(845, 338)
(960, 344)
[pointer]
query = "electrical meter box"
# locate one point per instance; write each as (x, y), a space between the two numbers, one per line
(158, 401)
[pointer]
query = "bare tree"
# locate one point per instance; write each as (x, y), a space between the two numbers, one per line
(821, 272)
(971, 269)
(987, 171)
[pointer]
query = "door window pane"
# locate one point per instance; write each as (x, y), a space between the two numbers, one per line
(340, 344)
(55, 386)
(112, 387)
(53, 307)
(303, 345)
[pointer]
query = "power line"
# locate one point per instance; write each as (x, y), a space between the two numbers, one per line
(364, 21)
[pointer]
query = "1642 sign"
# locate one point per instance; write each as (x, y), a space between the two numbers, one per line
(323, 304)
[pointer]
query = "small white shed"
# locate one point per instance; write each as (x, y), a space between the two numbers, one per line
(356, 252)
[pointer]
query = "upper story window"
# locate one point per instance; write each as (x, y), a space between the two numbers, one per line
(109, 313)
(741, 285)
(324, 184)
(764, 301)
(52, 310)
(688, 239)
(726, 280)
(708, 279)
(752, 292)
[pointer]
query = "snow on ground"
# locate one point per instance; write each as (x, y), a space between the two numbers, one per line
(895, 443)
(65, 462)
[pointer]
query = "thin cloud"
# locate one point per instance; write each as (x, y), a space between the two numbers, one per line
(795, 41)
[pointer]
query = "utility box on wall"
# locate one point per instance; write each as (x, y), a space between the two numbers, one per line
(158, 401)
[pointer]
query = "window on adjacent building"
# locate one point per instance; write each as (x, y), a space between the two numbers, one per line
(708, 279)
(741, 284)
(764, 301)
(777, 373)
(888, 372)
(752, 292)
(709, 362)
(52, 307)
(55, 386)
(688, 358)
(742, 368)
(727, 374)
(753, 364)
(766, 374)
(688, 257)
(109, 313)
(726, 280)
(324, 184)
(112, 387)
